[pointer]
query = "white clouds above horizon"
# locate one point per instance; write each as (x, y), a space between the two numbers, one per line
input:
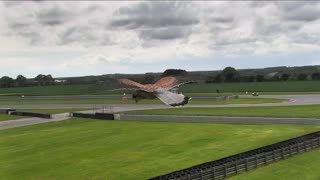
(82, 38)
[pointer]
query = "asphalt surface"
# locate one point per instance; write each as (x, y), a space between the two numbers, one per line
(293, 101)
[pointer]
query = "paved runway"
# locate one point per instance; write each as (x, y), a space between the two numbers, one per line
(293, 100)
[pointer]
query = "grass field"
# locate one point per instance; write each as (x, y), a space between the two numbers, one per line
(5, 117)
(290, 86)
(282, 111)
(156, 101)
(93, 149)
(47, 90)
(303, 166)
(51, 111)
(295, 87)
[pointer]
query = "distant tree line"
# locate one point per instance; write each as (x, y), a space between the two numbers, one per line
(21, 81)
(227, 75)
(230, 74)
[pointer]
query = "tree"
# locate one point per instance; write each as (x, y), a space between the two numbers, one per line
(20, 81)
(43, 80)
(315, 76)
(148, 79)
(259, 78)
(230, 74)
(6, 82)
(174, 72)
(218, 78)
(302, 77)
(285, 77)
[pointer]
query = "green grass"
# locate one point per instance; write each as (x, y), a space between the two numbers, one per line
(156, 101)
(303, 166)
(93, 149)
(249, 93)
(5, 117)
(295, 87)
(51, 111)
(48, 90)
(286, 87)
(282, 111)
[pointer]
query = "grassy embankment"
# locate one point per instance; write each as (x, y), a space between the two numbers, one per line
(282, 111)
(93, 149)
(5, 117)
(303, 166)
(156, 101)
(290, 87)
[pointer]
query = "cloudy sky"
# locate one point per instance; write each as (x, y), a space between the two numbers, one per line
(92, 38)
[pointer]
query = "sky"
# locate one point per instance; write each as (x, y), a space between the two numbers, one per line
(66, 38)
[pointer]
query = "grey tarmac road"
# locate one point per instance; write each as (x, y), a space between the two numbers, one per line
(293, 101)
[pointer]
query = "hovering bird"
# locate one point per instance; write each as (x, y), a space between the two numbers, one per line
(161, 90)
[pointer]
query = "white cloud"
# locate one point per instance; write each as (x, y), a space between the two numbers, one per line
(117, 35)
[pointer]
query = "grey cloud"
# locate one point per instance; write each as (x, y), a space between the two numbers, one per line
(154, 15)
(84, 35)
(54, 16)
(133, 23)
(305, 38)
(157, 20)
(300, 11)
(164, 33)
(221, 19)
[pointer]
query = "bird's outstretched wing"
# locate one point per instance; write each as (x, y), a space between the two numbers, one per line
(131, 83)
(166, 82)
(183, 83)
(170, 98)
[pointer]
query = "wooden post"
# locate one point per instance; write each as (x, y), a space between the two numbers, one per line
(214, 173)
(256, 160)
(246, 164)
(273, 155)
(225, 170)
(236, 163)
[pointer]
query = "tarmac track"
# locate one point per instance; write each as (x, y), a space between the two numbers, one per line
(294, 100)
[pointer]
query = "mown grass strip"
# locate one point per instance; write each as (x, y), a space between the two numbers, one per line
(156, 101)
(302, 166)
(281, 111)
(5, 117)
(95, 149)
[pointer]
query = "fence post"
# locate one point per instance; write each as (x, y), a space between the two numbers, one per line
(247, 164)
(225, 170)
(236, 163)
(273, 155)
(282, 152)
(201, 174)
(256, 160)
(214, 173)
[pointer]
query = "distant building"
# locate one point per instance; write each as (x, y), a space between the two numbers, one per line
(60, 81)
